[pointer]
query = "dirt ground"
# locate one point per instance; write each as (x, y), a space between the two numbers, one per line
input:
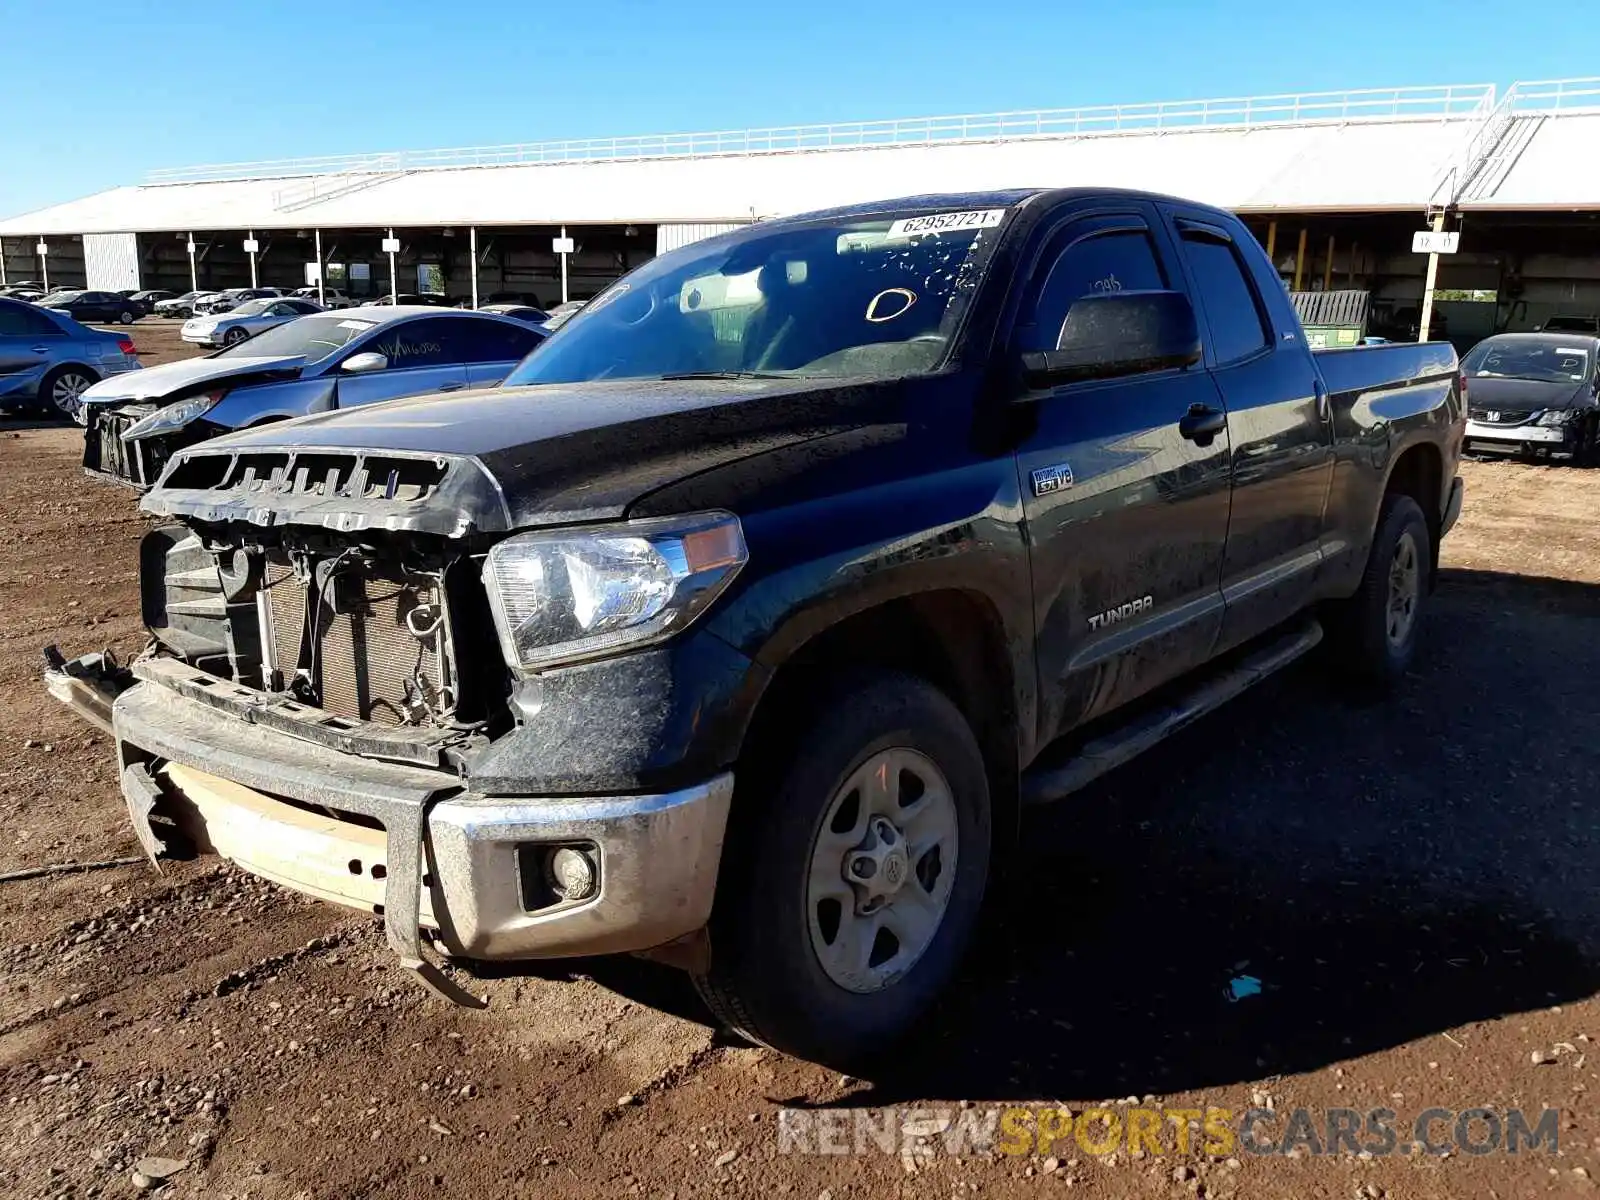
(1415, 884)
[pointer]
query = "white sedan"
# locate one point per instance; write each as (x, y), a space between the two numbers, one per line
(249, 319)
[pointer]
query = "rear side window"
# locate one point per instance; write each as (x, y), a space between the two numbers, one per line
(494, 341)
(1120, 260)
(1232, 311)
(20, 320)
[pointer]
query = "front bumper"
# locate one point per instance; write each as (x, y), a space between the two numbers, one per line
(1514, 437)
(209, 338)
(423, 848)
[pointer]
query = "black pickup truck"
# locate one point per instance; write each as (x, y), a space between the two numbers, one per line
(738, 627)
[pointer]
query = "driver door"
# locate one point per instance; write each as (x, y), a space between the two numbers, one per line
(1126, 512)
(424, 356)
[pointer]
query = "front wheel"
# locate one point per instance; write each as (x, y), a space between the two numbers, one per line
(234, 336)
(125, 317)
(852, 881)
(1373, 634)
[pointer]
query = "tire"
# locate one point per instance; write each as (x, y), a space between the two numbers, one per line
(234, 336)
(61, 389)
(1373, 635)
(768, 979)
(125, 317)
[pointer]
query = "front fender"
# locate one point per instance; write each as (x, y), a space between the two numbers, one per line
(281, 400)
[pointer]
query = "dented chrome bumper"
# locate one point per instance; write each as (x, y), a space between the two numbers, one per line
(431, 853)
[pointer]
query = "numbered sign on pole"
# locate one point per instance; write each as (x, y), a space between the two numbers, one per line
(563, 245)
(391, 245)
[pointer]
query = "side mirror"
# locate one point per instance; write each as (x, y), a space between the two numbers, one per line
(1118, 333)
(360, 364)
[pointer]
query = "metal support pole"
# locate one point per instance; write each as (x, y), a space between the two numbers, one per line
(1272, 241)
(1300, 261)
(2, 262)
(472, 237)
(394, 288)
(1427, 287)
(1350, 265)
(253, 259)
(563, 266)
(317, 237)
(1327, 267)
(44, 266)
(194, 274)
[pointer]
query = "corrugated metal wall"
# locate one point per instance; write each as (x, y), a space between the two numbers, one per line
(111, 261)
(670, 237)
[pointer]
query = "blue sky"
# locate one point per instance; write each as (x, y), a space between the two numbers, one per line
(113, 89)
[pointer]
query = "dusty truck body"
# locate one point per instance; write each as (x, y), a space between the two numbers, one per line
(740, 624)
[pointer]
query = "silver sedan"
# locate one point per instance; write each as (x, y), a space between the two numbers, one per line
(250, 318)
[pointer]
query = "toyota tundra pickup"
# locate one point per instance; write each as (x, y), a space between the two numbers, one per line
(738, 627)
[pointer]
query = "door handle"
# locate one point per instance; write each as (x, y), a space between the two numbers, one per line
(1202, 423)
(39, 349)
(451, 387)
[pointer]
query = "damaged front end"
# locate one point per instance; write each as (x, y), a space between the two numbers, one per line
(323, 675)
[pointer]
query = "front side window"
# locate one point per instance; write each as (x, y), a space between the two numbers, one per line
(1232, 314)
(314, 338)
(430, 342)
(880, 297)
(1118, 260)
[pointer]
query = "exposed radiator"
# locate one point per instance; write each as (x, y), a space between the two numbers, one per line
(368, 661)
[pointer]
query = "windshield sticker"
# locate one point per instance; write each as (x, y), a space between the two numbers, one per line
(954, 222)
(889, 304)
(1569, 350)
(358, 326)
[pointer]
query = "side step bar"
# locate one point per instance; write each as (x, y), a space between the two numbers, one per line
(1119, 746)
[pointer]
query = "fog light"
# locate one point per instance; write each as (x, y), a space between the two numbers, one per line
(572, 873)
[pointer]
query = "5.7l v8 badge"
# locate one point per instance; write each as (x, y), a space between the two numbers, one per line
(1052, 479)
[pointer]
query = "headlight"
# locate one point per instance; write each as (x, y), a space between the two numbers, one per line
(574, 594)
(1557, 416)
(173, 416)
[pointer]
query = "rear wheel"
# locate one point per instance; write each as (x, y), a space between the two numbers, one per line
(1374, 633)
(852, 880)
(63, 390)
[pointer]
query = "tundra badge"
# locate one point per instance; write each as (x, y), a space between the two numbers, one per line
(1121, 612)
(1052, 479)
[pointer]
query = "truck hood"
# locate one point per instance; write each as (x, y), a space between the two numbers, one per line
(1487, 391)
(170, 381)
(514, 458)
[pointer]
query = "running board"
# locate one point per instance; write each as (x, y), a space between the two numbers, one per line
(1119, 746)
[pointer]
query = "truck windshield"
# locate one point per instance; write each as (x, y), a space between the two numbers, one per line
(312, 338)
(877, 297)
(1546, 362)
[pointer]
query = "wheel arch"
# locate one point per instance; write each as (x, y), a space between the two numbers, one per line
(954, 638)
(1418, 472)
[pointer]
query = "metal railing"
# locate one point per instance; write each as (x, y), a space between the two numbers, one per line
(1554, 95)
(1457, 101)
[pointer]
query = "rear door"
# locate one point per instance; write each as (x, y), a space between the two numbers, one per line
(425, 355)
(1280, 435)
(492, 348)
(1126, 517)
